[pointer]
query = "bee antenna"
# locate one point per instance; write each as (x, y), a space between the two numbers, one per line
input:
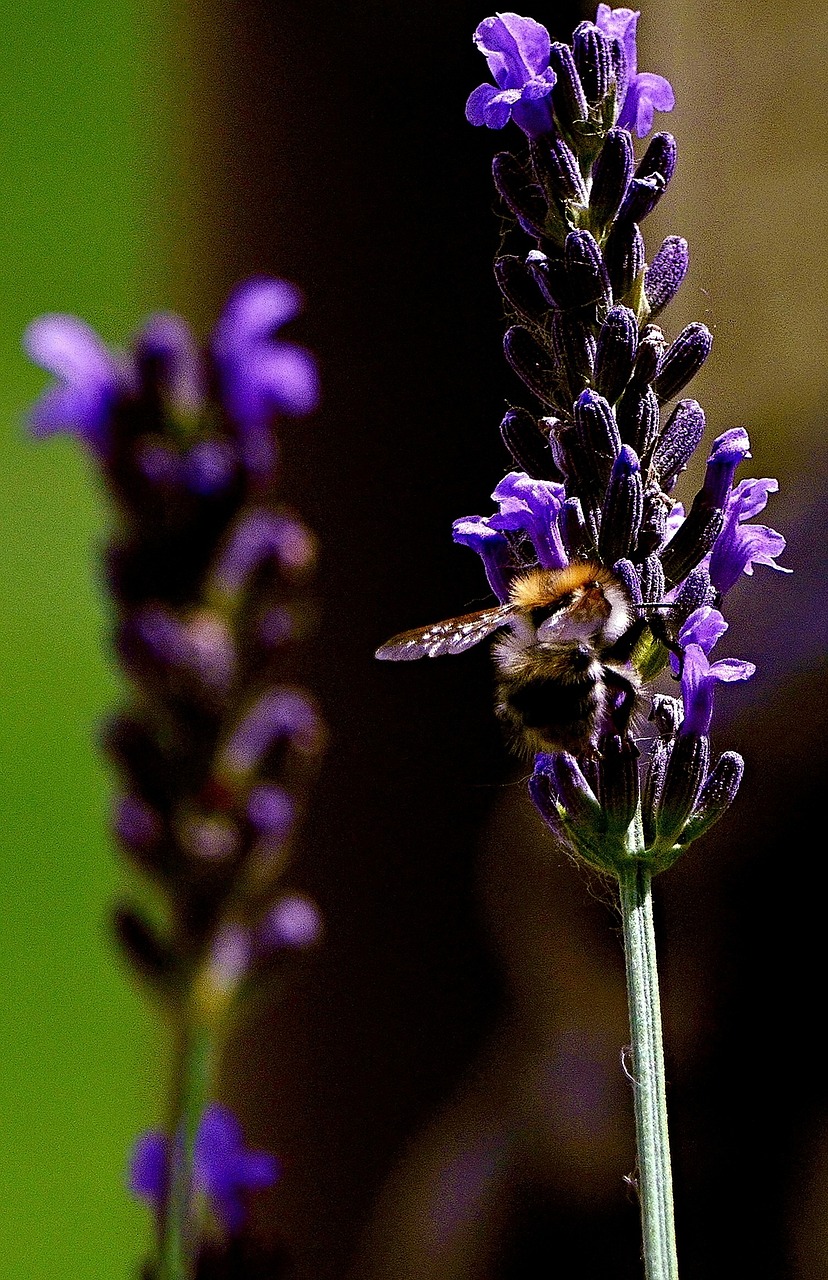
(652, 606)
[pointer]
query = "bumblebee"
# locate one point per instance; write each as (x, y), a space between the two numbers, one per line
(564, 669)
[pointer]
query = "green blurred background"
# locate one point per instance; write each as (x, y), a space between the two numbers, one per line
(82, 94)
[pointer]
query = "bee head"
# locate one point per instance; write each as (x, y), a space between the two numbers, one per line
(583, 601)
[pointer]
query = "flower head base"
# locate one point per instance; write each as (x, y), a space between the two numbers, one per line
(224, 1170)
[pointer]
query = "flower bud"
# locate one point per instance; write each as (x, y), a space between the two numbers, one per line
(523, 198)
(683, 781)
(575, 348)
(557, 170)
(528, 445)
(591, 51)
(615, 352)
(652, 579)
(586, 271)
(653, 524)
(568, 96)
(621, 514)
(679, 441)
(665, 273)
(597, 434)
(717, 795)
(619, 780)
(683, 360)
(611, 176)
(519, 287)
(638, 419)
(624, 256)
(532, 363)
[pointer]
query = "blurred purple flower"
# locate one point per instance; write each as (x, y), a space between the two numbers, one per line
(517, 51)
(90, 378)
(223, 1168)
(260, 375)
(646, 93)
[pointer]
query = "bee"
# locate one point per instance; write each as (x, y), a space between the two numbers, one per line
(564, 670)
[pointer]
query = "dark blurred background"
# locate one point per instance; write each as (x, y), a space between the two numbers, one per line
(443, 1077)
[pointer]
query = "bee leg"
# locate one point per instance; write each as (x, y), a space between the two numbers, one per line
(664, 635)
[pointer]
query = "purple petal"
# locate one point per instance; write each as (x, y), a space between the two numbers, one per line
(698, 680)
(515, 48)
(259, 1169)
(621, 25)
(293, 922)
(704, 627)
(491, 546)
(90, 377)
(287, 379)
(656, 90)
(260, 536)
(254, 310)
(477, 104)
(148, 1167)
(280, 713)
(740, 546)
(729, 670)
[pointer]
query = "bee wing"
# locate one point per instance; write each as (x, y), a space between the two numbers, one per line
(455, 635)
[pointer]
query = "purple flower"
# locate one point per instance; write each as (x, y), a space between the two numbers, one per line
(260, 375)
(294, 922)
(90, 378)
(646, 93)
(167, 340)
(740, 546)
(704, 627)
(531, 507)
(492, 547)
(517, 51)
(223, 1169)
(698, 680)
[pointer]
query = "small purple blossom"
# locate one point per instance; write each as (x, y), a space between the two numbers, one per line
(517, 51)
(492, 547)
(293, 923)
(740, 546)
(698, 680)
(645, 93)
(262, 376)
(90, 378)
(223, 1168)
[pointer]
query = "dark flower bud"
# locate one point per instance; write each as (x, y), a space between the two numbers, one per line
(551, 277)
(575, 348)
(528, 445)
(624, 256)
(653, 522)
(643, 194)
(585, 268)
(683, 781)
(651, 348)
(637, 414)
(556, 169)
(568, 96)
(654, 783)
(679, 441)
(627, 572)
(573, 527)
(652, 579)
(150, 955)
(683, 360)
(717, 795)
(611, 175)
(585, 821)
(597, 434)
(620, 70)
(692, 540)
(591, 51)
(524, 198)
(619, 780)
(544, 797)
(531, 362)
(615, 352)
(666, 272)
(621, 515)
(660, 157)
(519, 287)
(696, 591)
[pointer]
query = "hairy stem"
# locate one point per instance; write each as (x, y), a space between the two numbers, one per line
(652, 1142)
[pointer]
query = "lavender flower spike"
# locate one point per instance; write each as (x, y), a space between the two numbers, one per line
(646, 93)
(517, 51)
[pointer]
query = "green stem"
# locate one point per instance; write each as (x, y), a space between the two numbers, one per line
(652, 1142)
(190, 1091)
